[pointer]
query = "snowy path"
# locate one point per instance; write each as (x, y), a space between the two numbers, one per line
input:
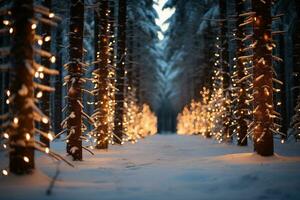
(166, 167)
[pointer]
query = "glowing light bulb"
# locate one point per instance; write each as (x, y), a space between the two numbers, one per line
(16, 120)
(52, 59)
(33, 26)
(5, 135)
(45, 120)
(47, 38)
(5, 22)
(40, 42)
(4, 172)
(27, 136)
(42, 75)
(51, 15)
(50, 137)
(26, 159)
(39, 94)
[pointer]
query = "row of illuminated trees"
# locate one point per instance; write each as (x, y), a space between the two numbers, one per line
(117, 113)
(240, 103)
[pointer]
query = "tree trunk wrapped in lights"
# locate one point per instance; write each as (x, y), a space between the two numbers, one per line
(4, 66)
(20, 129)
(22, 158)
(120, 73)
(58, 83)
(46, 46)
(102, 40)
(296, 64)
(75, 81)
(263, 78)
(241, 86)
(227, 117)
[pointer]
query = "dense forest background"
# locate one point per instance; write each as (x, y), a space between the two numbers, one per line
(167, 74)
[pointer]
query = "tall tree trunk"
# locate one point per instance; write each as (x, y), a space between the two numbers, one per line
(242, 107)
(75, 69)
(263, 75)
(296, 60)
(120, 72)
(103, 54)
(225, 69)
(58, 82)
(22, 157)
(4, 75)
(137, 77)
(282, 77)
(129, 68)
(45, 99)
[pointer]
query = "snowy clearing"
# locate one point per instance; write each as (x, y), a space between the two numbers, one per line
(165, 167)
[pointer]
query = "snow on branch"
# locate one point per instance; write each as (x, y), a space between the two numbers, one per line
(46, 21)
(38, 114)
(41, 68)
(42, 53)
(43, 87)
(45, 11)
(247, 14)
(90, 119)
(276, 58)
(277, 81)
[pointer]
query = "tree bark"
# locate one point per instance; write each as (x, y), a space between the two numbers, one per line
(242, 107)
(103, 54)
(22, 53)
(225, 69)
(75, 69)
(263, 75)
(58, 83)
(282, 77)
(45, 99)
(120, 72)
(4, 75)
(296, 60)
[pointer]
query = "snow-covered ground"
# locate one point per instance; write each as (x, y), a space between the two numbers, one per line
(165, 167)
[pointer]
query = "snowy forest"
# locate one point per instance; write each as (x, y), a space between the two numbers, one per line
(149, 99)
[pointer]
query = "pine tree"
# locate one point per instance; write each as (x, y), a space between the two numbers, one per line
(24, 113)
(120, 72)
(295, 123)
(22, 158)
(102, 50)
(227, 135)
(241, 86)
(263, 78)
(45, 99)
(58, 83)
(75, 70)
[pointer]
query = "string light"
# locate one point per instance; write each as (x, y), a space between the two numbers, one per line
(51, 15)
(4, 172)
(52, 59)
(5, 135)
(33, 26)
